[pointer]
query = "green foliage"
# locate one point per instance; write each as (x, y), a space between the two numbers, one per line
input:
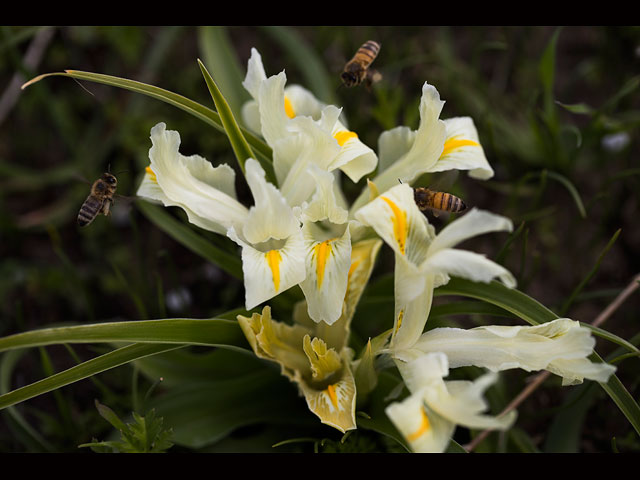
(142, 435)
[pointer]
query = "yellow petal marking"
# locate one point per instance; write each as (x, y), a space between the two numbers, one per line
(288, 108)
(400, 226)
(273, 260)
(400, 317)
(152, 174)
(331, 390)
(454, 143)
(343, 136)
(424, 427)
(322, 251)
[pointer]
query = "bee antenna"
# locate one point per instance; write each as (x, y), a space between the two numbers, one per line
(400, 180)
(122, 171)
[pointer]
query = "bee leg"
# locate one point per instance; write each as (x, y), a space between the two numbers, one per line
(106, 208)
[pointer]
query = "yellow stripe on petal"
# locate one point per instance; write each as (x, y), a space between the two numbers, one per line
(152, 175)
(273, 260)
(400, 317)
(454, 143)
(400, 227)
(331, 391)
(288, 108)
(322, 252)
(343, 136)
(424, 427)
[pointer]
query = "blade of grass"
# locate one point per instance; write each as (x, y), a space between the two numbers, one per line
(7, 365)
(205, 114)
(220, 58)
(91, 367)
(205, 332)
(592, 272)
(239, 144)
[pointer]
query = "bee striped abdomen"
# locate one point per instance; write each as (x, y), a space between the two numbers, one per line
(447, 202)
(89, 210)
(369, 51)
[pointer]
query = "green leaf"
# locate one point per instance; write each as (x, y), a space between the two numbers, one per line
(239, 144)
(206, 332)
(509, 299)
(220, 58)
(190, 239)
(144, 435)
(578, 108)
(199, 111)
(592, 272)
(202, 413)
(547, 77)
(84, 370)
(572, 191)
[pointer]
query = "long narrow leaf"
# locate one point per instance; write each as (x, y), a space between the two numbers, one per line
(239, 144)
(190, 239)
(220, 58)
(200, 111)
(207, 332)
(91, 367)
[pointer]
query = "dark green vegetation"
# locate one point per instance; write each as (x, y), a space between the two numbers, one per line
(558, 114)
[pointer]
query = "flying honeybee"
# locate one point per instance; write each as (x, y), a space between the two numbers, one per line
(357, 69)
(99, 200)
(437, 202)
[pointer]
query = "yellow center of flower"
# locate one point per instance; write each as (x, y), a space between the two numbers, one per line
(322, 251)
(400, 226)
(273, 260)
(288, 108)
(424, 427)
(454, 143)
(331, 390)
(343, 136)
(151, 173)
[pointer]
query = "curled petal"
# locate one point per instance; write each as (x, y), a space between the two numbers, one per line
(206, 193)
(424, 430)
(277, 342)
(462, 150)
(334, 404)
(470, 265)
(426, 147)
(560, 346)
(473, 223)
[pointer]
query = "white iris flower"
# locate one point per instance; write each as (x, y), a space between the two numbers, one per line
(425, 260)
(301, 131)
(438, 145)
(428, 417)
(273, 252)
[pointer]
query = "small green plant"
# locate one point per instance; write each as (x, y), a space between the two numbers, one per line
(144, 435)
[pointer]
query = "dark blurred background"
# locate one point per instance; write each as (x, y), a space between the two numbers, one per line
(557, 111)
